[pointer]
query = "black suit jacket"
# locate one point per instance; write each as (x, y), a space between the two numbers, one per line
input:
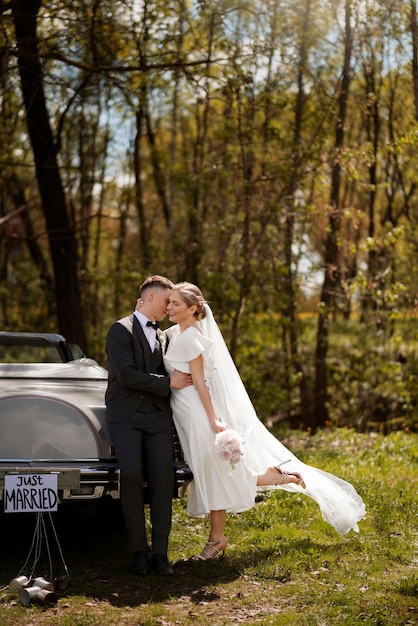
(132, 385)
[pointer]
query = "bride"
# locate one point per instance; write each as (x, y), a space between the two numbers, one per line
(230, 452)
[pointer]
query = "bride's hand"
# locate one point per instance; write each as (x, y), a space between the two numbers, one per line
(219, 427)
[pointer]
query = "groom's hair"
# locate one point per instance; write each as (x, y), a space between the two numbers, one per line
(155, 282)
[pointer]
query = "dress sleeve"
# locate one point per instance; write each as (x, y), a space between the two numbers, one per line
(187, 347)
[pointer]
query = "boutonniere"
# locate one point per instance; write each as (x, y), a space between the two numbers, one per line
(162, 338)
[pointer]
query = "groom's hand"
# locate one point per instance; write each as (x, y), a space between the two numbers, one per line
(179, 380)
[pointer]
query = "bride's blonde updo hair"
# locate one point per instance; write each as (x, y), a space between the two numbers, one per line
(192, 295)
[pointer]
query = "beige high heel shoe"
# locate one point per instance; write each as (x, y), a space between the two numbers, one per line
(211, 550)
(283, 479)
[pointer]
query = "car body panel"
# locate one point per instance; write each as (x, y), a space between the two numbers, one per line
(53, 419)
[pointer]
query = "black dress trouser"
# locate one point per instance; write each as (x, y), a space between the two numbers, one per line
(146, 442)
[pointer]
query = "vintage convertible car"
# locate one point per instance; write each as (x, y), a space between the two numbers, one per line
(52, 423)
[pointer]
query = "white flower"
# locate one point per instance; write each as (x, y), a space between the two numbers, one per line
(229, 443)
(162, 338)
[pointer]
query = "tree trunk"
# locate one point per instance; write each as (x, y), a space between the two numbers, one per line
(414, 34)
(144, 235)
(372, 129)
(332, 275)
(290, 307)
(62, 241)
(35, 250)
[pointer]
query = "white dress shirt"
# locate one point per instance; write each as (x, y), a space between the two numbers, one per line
(150, 332)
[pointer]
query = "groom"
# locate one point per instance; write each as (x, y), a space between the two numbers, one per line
(140, 423)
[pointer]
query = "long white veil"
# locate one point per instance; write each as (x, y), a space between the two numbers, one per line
(340, 504)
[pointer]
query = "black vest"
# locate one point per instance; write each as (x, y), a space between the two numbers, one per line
(157, 362)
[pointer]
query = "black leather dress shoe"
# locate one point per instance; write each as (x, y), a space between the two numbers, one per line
(141, 564)
(161, 566)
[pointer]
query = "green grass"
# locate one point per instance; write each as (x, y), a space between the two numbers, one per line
(284, 565)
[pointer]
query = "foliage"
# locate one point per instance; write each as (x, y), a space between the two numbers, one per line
(373, 376)
(198, 140)
(284, 564)
(372, 373)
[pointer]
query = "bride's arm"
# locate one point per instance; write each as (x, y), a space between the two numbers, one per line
(198, 377)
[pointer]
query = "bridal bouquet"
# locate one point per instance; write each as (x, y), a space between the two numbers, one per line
(229, 443)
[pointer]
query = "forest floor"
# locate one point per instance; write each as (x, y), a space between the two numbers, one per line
(284, 566)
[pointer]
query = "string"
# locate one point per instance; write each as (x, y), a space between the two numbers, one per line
(36, 540)
(47, 548)
(40, 534)
(58, 545)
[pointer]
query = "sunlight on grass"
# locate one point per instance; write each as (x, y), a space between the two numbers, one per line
(284, 565)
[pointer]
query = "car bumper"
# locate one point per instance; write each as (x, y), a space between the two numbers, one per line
(88, 482)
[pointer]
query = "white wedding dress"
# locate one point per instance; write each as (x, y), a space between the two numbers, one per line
(215, 486)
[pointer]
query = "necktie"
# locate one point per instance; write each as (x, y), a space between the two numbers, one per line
(153, 324)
